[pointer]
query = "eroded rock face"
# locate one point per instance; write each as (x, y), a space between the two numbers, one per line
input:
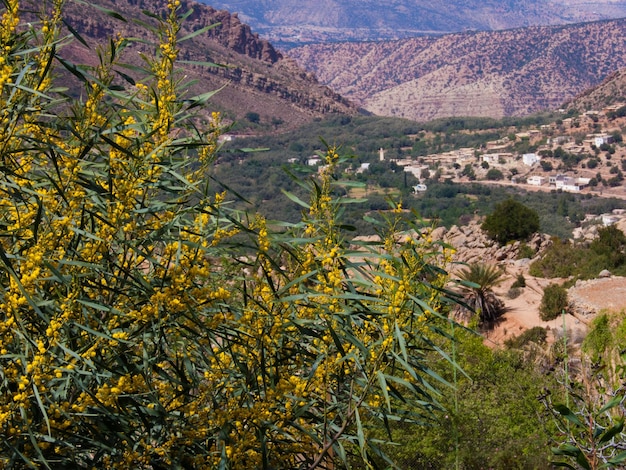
(473, 245)
(589, 297)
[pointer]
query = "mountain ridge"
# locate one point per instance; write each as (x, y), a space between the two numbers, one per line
(295, 22)
(253, 77)
(493, 74)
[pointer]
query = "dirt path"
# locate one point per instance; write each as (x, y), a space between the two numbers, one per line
(590, 297)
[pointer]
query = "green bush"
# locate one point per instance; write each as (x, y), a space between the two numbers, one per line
(494, 174)
(511, 220)
(536, 334)
(553, 302)
(520, 281)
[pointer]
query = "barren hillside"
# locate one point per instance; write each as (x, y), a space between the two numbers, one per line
(254, 76)
(495, 74)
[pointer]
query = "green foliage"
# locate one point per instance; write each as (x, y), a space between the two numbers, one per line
(492, 418)
(599, 338)
(254, 118)
(611, 245)
(469, 172)
(525, 251)
(553, 302)
(511, 220)
(494, 174)
(536, 335)
(476, 282)
(565, 259)
(520, 281)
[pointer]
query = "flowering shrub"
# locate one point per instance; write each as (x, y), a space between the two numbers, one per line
(144, 324)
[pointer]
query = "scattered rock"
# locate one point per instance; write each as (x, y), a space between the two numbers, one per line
(604, 273)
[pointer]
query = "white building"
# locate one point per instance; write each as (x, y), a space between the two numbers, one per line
(600, 139)
(536, 180)
(530, 159)
(568, 184)
(416, 170)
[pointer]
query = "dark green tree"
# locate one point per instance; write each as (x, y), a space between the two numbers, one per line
(494, 174)
(611, 243)
(511, 220)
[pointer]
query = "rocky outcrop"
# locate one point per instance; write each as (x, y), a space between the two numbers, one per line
(587, 298)
(252, 75)
(472, 245)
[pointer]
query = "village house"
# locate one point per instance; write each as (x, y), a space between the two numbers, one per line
(363, 167)
(568, 183)
(529, 159)
(612, 108)
(600, 139)
(416, 170)
(536, 180)
(559, 140)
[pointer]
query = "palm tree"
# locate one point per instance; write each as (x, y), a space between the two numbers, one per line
(476, 282)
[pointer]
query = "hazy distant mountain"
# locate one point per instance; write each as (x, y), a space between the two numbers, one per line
(292, 22)
(256, 79)
(495, 73)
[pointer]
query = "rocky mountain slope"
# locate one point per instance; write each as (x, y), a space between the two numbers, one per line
(497, 73)
(256, 78)
(611, 91)
(288, 22)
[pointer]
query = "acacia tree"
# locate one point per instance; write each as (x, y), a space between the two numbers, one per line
(146, 325)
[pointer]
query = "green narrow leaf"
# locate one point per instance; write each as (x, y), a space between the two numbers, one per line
(582, 461)
(612, 403)
(618, 459)
(566, 449)
(401, 342)
(126, 77)
(94, 305)
(106, 11)
(202, 63)
(202, 99)
(563, 464)
(198, 32)
(42, 409)
(76, 34)
(296, 199)
(612, 432)
(569, 415)
(73, 69)
(383, 386)
(360, 434)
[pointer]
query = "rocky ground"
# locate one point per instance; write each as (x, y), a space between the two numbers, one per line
(586, 298)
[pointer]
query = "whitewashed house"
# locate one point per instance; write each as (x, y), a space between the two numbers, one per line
(529, 159)
(536, 180)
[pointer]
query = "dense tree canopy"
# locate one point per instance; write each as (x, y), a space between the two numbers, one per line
(511, 220)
